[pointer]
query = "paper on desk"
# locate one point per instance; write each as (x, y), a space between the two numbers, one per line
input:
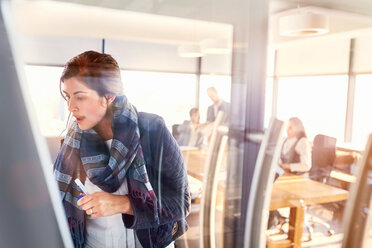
(279, 170)
(189, 148)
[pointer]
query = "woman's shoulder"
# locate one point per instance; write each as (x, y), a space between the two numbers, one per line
(303, 139)
(303, 142)
(150, 117)
(150, 121)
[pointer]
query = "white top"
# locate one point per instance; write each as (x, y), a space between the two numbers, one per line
(303, 148)
(109, 231)
(193, 135)
(215, 108)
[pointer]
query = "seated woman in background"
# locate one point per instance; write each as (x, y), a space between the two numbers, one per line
(190, 131)
(130, 165)
(295, 156)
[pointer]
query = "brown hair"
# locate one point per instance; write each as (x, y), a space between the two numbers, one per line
(300, 127)
(99, 71)
(193, 111)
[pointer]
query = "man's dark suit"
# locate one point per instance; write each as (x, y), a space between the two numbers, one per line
(224, 106)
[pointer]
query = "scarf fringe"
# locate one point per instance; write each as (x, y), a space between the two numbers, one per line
(77, 231)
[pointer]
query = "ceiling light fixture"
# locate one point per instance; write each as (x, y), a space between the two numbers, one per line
(215, 46)
(303, 24)
(189, 51)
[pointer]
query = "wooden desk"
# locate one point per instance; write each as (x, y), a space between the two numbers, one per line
(297, 192)
(289, 190)
(194, 161)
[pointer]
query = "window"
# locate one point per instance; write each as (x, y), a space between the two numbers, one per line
(362, 121)
(49, 106)
(170, 95)
(320, 102)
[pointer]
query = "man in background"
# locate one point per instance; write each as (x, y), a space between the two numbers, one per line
(218, 105)
(190, 131)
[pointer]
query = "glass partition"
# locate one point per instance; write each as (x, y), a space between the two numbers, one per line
(169, 54)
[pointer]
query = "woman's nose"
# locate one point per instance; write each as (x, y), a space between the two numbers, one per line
(71, 106)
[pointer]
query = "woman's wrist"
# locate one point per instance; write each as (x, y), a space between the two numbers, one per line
(124, 205)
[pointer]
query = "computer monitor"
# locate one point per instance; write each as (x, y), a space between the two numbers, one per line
(31, 212)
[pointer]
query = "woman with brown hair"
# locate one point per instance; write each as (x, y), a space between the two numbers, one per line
(295, 158)
(296, 151)
(128, 161)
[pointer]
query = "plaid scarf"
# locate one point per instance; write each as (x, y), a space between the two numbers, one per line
(84, 154)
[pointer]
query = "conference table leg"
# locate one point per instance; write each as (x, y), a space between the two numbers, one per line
(296, 222)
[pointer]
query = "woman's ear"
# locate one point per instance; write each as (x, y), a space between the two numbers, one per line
(110, 98)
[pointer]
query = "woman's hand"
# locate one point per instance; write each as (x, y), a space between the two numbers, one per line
(285, 166)
(102, 204)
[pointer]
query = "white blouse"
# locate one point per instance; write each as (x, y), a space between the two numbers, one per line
(303, 148)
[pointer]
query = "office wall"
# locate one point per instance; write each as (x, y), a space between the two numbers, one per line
(145, 56)
(131, 55)
(313, 58)
(325, 57)
(363, 54)
(216, 64)
(54, 50)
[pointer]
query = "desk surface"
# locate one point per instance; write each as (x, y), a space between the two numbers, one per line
(296, 192)
(289, 189)
(194, 161)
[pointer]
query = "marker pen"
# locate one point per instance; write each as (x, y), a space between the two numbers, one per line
(81, 187)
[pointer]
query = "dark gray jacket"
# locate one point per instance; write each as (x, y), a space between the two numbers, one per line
(168, 177)
(224, 106)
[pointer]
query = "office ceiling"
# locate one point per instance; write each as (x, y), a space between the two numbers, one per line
(216, 10)
(225, 10)
(77, 20)
(149, 20)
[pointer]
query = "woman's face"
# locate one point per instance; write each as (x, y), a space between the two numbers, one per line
(291, 130)
(84, 103)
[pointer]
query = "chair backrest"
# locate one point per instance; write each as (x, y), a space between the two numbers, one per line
(175, 132)
(213, 163)
(322, 157)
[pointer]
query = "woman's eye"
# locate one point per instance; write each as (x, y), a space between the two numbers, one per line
(66, 97)
(79, 98)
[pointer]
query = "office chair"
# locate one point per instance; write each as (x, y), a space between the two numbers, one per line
(212, 166)
(175, 132)
(322, 160)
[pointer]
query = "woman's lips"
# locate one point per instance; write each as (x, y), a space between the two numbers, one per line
(79, 119)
